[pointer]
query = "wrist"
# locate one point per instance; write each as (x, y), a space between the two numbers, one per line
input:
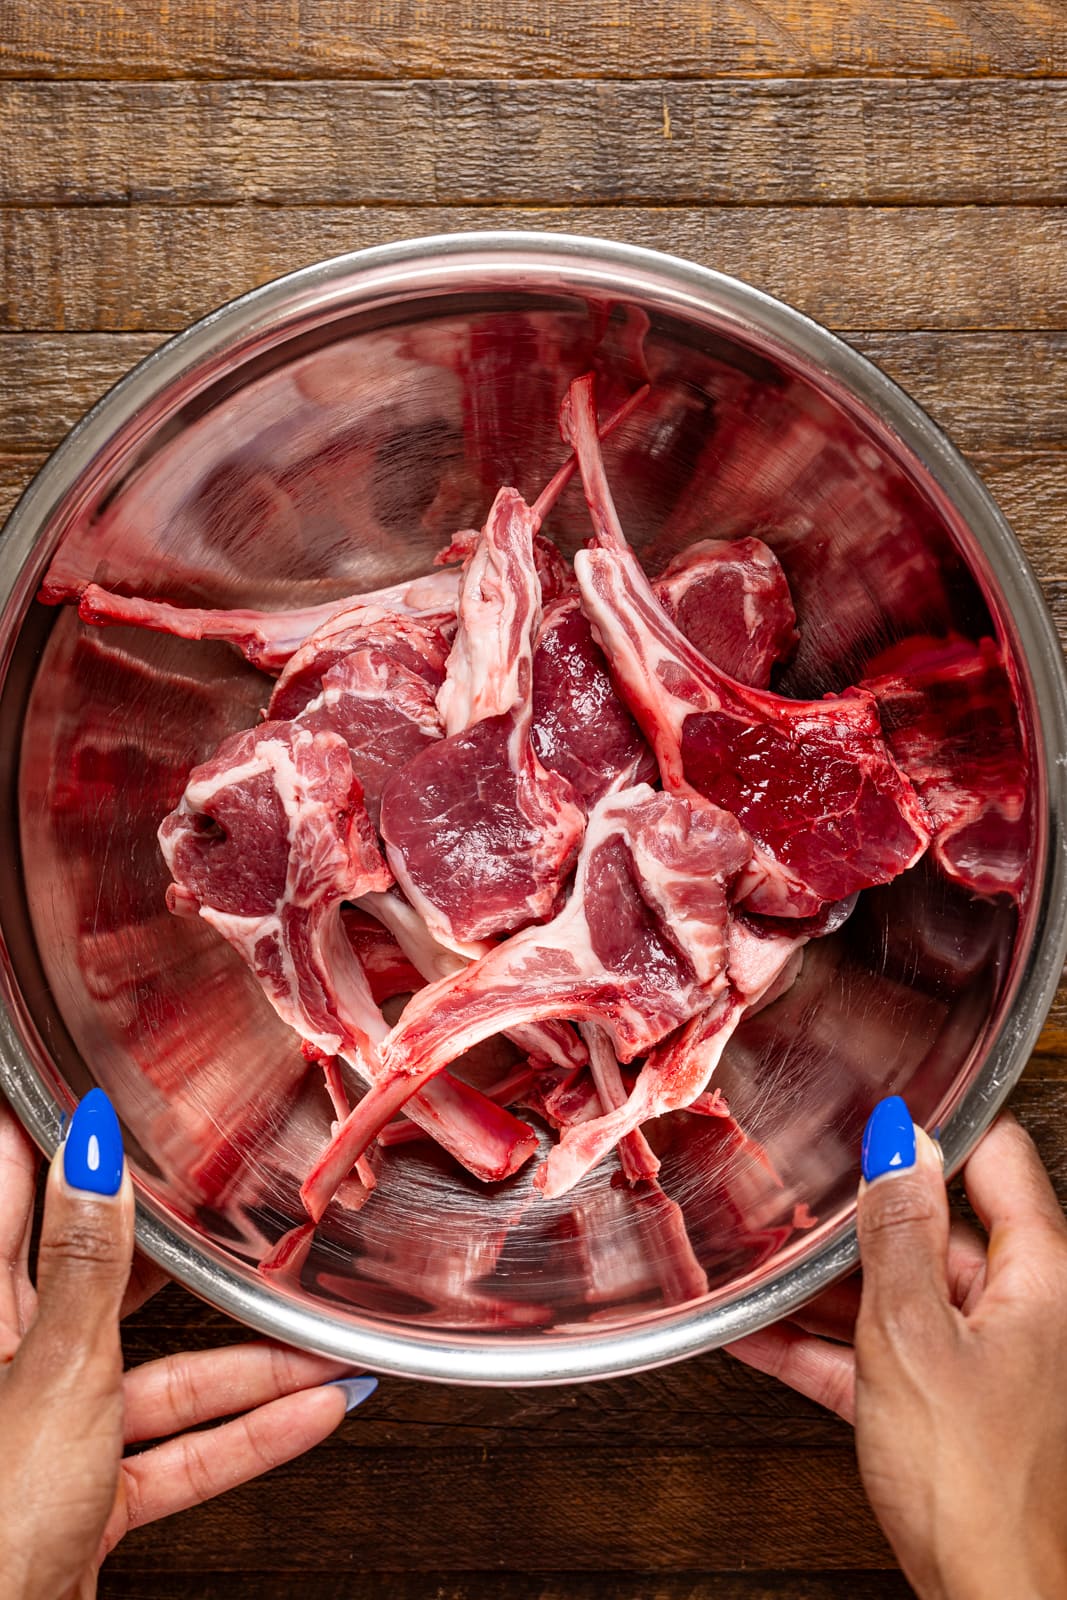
(1026, 1567)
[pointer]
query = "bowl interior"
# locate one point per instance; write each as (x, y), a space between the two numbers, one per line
(337, 451)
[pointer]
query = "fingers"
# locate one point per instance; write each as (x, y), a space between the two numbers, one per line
(832, 1314)
(814, 1367)
(18, 1172)
(85, 1248)
(1012, 1195)
(146, 1279)
(966, 1265)
(187, 1471)
(902, 1218)
(168, 1396)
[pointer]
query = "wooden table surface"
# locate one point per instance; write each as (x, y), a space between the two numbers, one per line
(898, 171)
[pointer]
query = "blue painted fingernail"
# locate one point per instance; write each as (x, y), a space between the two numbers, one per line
(92, 1154)
(888, 1139)
(356, 1390)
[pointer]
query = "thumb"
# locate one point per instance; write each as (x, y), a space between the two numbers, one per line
(86, 1245)
(902, 1216)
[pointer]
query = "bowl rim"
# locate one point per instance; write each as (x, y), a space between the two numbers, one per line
(343, 283)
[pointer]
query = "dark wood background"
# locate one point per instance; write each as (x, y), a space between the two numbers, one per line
(898, 171)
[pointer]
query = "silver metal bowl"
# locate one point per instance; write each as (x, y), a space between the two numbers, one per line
(325, 434)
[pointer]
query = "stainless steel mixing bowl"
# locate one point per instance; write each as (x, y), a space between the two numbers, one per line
(325, 434)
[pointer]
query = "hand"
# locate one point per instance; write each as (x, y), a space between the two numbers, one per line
(67, 1496)
(952, 1361)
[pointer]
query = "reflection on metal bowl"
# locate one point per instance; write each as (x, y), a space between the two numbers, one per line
(325, 435)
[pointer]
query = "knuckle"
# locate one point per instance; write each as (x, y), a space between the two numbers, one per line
(180, 1394)
(281, 1368)
(901, 1206)
(259, 1445)
(83, 1242)
(198, 1467)
(840, 1393)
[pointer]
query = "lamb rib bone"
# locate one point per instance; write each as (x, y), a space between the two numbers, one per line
(812, 781)
(281, 909)
(679, 1069)
(639, 947)
(267, 639)
(552, 1041)
(484, 858)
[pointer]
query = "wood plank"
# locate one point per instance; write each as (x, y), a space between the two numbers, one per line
(15, 473)
(889, 268)
(455, 143)
(1031, 490)
(150, 1584)
(489, 38)
(997, 395)
(47, 386)
(711, 1403)
(639, 1508)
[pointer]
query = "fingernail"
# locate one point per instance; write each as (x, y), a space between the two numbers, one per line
(888, 1139)
(356, 1390)
(92, 1154)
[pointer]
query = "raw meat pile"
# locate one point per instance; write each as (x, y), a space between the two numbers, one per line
(564, 805)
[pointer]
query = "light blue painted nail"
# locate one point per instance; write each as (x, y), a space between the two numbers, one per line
(92, 1153)
(356, 1390)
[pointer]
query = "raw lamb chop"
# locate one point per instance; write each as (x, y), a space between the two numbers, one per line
(385, 713)
(639, 1161)
(268, 841)
(581, 729)
(417, 644)
(812, 781)
(951, 722)
(640, 947)
(385, 966)
(678, 1071)
(731, 600)
(265, 638)
(551, 1041)
(479, 834)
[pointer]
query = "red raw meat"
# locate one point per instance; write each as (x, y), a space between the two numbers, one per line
(387, 969)
(678, 1070)
(640, 947)
(479, 834)
(639, 1160)
(812, 781)
(731, 600)
(854, 537)
(417, 644)
(552, 1041)
(581, 729)
(268, 841)
(554, 572)
(951, 721)
(265, 638)
(385, 713)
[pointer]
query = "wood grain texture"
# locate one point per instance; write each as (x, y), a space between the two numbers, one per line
(150, 1584)
(445, 142)
(893, 268)
(491, 38)
(587, 1510)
